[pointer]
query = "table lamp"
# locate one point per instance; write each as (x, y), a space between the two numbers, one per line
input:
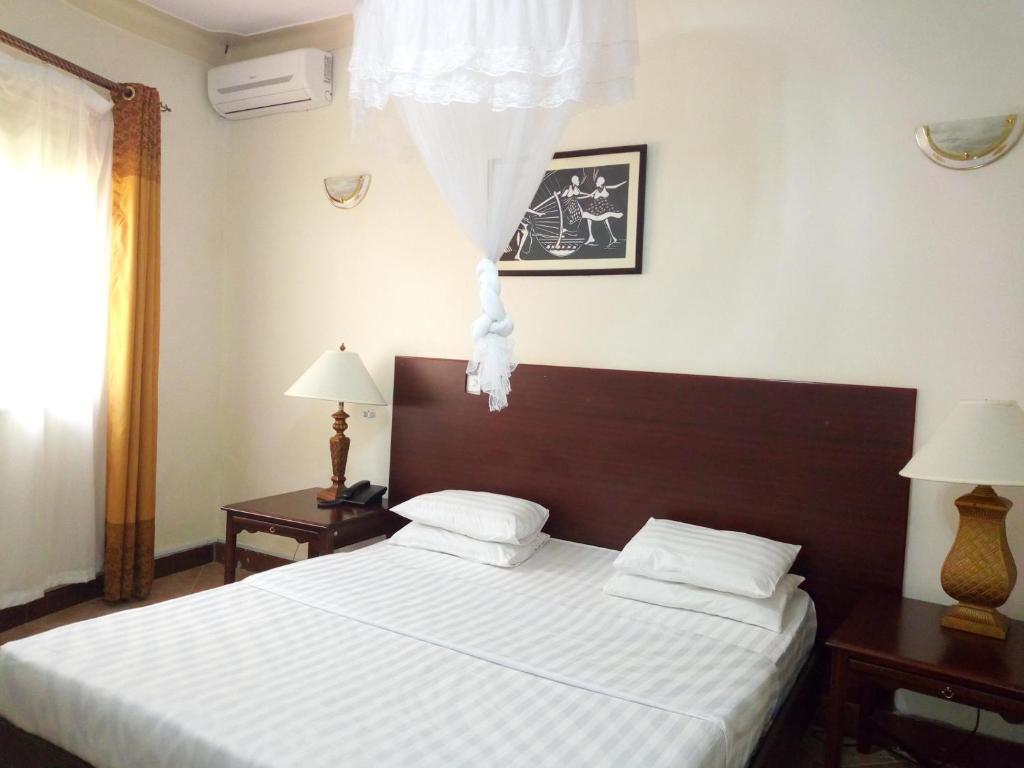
(982, 443)
(342, 377)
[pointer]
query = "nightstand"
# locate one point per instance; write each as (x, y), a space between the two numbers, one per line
(297, 516)
(889, 642)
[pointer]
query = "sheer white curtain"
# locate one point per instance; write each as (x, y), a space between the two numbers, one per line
(55, 154)
(484, 88)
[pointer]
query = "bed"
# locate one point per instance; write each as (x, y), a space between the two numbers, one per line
(393, 656)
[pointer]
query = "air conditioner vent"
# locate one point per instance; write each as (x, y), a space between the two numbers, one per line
(256, 84)
(328, 69)
(281, 104)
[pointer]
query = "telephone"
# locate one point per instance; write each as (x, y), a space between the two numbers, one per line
(360, 494)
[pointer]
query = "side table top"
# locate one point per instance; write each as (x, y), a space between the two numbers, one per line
(907, 633)
(300, 507)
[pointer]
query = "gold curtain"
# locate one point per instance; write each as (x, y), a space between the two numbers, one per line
(133, 340)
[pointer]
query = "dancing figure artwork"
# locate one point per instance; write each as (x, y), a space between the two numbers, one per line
(585, 215)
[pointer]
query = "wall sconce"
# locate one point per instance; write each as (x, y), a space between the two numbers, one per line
(967, 144)
(346, 191)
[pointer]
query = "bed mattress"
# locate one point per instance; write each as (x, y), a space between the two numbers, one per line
(390, 656)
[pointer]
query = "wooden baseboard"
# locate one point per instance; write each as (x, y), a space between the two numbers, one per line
(183, 561)
(56, 599)
(249, 559)
(59, 598)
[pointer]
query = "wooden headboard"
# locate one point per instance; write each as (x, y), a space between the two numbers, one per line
(812, 464)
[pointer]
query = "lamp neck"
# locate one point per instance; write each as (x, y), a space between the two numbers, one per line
(986, 491)
(340, 419)
(339, 449)
(983, 500)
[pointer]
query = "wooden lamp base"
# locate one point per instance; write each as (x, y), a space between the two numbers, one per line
(328, 497)
(979, 572)
(339, 458)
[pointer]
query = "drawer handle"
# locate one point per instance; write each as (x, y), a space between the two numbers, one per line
(947, 692)
(273, 529)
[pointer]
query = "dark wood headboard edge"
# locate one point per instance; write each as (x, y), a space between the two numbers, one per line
(813, 463)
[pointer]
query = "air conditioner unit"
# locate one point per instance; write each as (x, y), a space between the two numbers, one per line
(285, 82)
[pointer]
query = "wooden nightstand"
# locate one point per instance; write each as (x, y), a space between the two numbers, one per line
(297, 516)
(889, 642)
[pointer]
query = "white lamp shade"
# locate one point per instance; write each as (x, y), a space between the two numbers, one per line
(338, 376)
(981, 442)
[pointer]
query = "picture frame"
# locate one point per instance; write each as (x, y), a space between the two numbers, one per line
(586, 218)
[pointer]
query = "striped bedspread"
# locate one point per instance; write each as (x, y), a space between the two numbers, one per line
(390, 656)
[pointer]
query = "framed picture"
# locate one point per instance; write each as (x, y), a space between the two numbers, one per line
(587, 217)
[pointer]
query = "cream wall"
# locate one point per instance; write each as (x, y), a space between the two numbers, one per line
(793, 230)
(195, 141)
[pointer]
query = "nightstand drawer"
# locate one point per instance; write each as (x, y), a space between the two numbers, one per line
(265, 526)
(890, 678)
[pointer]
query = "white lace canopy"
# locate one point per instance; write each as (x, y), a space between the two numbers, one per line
(484, 88)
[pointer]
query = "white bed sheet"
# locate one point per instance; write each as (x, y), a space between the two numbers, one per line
(390, 656)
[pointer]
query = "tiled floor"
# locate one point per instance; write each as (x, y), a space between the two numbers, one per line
(175, 585)
(212, 575)
(812, 748)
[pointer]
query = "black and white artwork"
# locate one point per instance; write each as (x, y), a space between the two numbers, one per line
(586, 217)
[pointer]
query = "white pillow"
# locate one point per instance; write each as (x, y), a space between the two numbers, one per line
(764, 612)
(423, 536)
(484, 516)
(726, 561)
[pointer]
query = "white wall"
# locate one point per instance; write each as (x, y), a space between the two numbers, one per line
(793, 230)
(193, 177)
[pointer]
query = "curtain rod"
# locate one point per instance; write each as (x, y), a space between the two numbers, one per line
(53, 59)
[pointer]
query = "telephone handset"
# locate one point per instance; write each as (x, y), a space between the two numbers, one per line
(360, 493)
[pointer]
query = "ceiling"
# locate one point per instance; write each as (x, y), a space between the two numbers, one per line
(251, 17)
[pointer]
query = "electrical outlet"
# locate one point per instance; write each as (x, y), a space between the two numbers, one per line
(472, 384)
(369, 413)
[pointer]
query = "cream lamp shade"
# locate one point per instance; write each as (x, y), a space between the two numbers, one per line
(338, 376)
(981, 442)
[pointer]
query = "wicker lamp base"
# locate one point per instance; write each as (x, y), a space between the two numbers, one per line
(979, 572)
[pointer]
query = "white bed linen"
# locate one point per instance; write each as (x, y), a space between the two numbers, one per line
(391, 656)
